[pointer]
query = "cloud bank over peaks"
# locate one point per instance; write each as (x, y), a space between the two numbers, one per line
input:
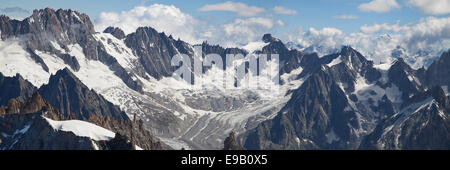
(427, 37)
(164, 18)
(171, 20)
(422, 40)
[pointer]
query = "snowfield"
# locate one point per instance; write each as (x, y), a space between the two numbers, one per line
(14, 59)
(82, 128)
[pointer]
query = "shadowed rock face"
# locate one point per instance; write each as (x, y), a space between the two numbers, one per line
(36, 134)
(316, 110)
(439, 71)
(76, 101)
(155, 50)
(289, 59)
(423, 123)
(230, 143)
(15, 87)
(69, 95)
(399, 74)
(116, 32)
(27, 129)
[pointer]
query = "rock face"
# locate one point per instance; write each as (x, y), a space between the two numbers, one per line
(346, 98)
(423, 123)
(230, 143)
(116, 32)
(15, 87)
(216, 49)
(74, 99)
(28, 129)
(155, 50)
(352, 64)
(44, 26)
(32, 132)
(402, 75)
(267, 38)
(289, 59)
(315, 117)
(439, 71)
(341, 100)
(69, 95)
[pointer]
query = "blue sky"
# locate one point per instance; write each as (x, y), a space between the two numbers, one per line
(310, 13)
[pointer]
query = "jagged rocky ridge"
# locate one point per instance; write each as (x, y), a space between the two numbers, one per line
(422, 123)
(70, 96)
(329, 112)
(15, 87)
(24, 123)
(54, 32)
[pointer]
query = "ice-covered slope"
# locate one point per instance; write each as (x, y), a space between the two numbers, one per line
(82, 128)
(15, 59)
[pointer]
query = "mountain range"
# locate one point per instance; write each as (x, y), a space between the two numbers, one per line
(65, 86)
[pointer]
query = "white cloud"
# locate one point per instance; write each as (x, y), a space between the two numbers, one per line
(283, 10)
(346, 17)
(242, 31)
(434, 7)
(171, 20)
(325, 38)
(427, 32)
(383, 27)
(379, 6)
(163, 18)
(240, 8)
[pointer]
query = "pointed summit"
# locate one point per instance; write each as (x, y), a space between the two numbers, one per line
(267, 38)
(69, 95)
(115, 31)
(405, 78)
(15, 87)
(439, 72)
